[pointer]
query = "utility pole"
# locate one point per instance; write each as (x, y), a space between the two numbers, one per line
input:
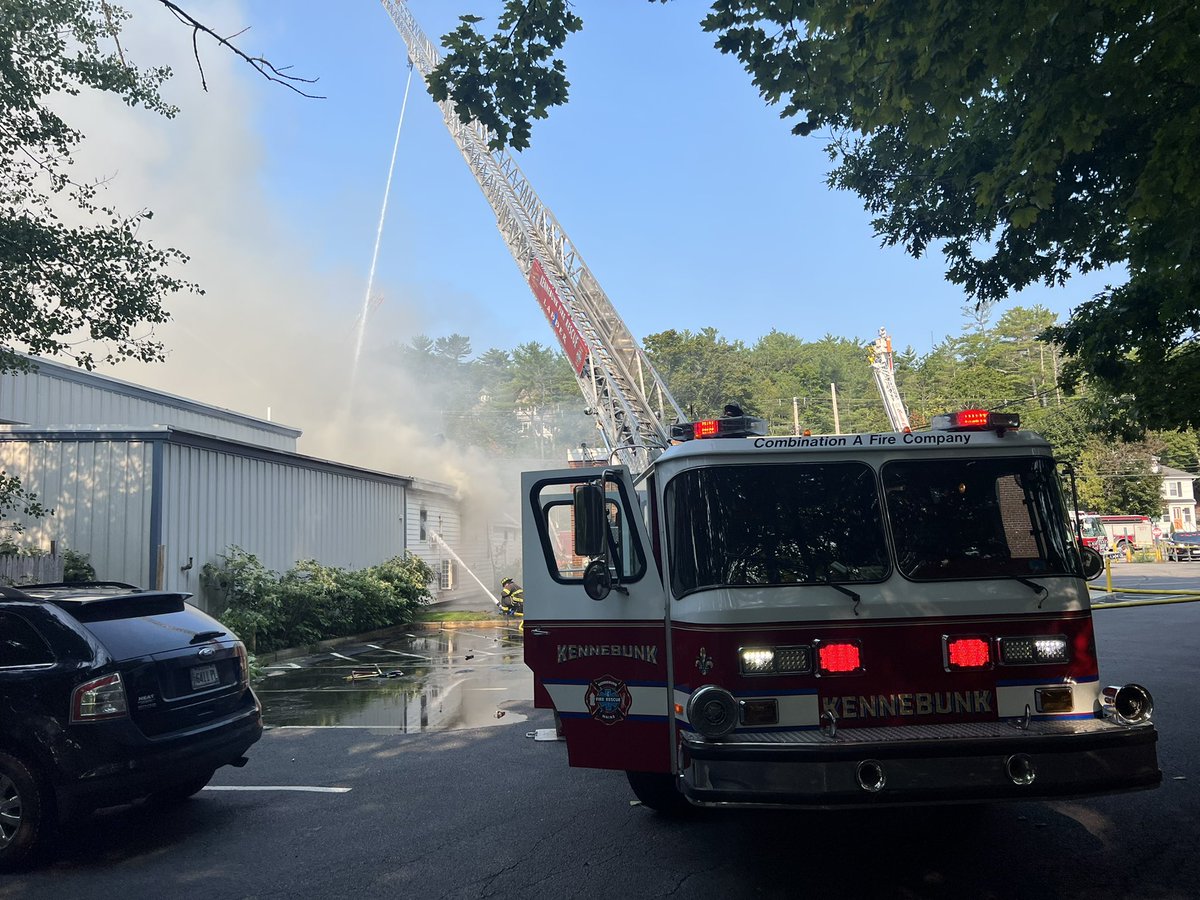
(837, 422)
(796, 415)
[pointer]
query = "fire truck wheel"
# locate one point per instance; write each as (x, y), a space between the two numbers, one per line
(657, 791)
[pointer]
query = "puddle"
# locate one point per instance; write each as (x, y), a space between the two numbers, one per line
(425, 680)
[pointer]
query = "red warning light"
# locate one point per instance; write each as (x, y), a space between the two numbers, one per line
(836, 658)
(972, 418)
(707, 428)
(968, 653)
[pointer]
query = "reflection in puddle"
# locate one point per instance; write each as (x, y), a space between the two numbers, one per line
(436, 679)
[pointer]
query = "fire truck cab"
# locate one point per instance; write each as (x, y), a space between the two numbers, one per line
(826, 620)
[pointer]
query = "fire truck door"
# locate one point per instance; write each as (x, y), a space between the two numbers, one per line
(601, 664)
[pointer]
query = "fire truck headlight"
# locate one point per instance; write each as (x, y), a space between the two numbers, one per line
(757, 661)
(713, 711)
(1129, 705)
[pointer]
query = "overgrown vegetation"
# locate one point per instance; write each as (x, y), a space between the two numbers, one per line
(311, 602)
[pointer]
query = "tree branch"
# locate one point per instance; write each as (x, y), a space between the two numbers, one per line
(264, 66)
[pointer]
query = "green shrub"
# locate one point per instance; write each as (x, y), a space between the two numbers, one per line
(311, 602)
(77, 567)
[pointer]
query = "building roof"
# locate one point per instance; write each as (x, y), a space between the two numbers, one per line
(173, 435)
(1168, 472)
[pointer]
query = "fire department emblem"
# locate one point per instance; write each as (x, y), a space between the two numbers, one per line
(608, 700)
(704, 662)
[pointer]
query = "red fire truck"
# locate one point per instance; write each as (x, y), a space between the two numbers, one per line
(826, 620)
(800, 620)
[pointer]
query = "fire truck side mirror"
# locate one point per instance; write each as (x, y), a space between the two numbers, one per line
(591, 528)
(597, 580)
(1093, 563)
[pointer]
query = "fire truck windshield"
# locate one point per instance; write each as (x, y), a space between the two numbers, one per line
(976, 518)
(803, 523)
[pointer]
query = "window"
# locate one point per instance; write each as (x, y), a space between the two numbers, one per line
(446, 576)
(556, 527)
(976, 518)
(809, 523)
(1174, 488)
(423, 525)
(20, 645)
(1187, 516)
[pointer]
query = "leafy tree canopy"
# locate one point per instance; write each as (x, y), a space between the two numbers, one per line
(72, 268)
(1026, 140)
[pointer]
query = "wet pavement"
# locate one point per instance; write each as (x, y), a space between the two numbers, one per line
(425, 679)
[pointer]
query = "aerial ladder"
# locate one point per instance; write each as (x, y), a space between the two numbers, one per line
(884, 369)
(632, 405)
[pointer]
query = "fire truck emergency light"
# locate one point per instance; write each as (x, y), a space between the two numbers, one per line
(968, 653)
(975, 420)
(731, 427)
(839, 658)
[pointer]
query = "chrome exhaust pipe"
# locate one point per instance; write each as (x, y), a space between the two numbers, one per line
(1129, 705)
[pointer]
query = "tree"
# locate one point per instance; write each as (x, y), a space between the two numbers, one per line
(1117, 479)
(1024, 140)
(705, 371)
(76, 277)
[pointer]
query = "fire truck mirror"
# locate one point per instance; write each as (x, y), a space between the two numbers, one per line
(597, 580)
(591, 533)
(1093, 563)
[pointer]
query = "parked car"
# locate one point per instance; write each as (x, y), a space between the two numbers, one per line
(1183, 545)
(108, 694)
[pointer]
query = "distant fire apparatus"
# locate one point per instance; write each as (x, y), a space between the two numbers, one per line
(1091, 532)
(735, 618)
(1127, 532)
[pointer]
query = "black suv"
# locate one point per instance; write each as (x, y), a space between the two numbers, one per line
(109, 693)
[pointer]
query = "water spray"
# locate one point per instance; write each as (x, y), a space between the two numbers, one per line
(366, 307)
(437, 537)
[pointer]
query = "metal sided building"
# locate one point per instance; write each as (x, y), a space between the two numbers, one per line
(152, 486)
(150, 505)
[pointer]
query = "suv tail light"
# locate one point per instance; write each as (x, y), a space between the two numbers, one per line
(102, 698)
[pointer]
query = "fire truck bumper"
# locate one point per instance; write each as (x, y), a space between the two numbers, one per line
(920, 764)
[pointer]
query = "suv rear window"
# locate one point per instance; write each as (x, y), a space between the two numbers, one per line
(21, 645)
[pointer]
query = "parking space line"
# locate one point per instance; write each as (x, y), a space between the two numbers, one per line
(308, 789)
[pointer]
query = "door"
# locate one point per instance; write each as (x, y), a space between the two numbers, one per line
(602, 665)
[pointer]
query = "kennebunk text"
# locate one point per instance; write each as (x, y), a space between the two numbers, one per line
(942, 703)
(644, 652)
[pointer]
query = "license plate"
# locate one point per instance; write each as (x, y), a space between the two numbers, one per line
(205, 676)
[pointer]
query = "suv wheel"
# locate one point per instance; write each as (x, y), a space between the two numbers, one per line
(26, 813)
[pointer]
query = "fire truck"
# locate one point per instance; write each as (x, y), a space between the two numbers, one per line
(1127, 532)
(736, 618)
(1091, 533)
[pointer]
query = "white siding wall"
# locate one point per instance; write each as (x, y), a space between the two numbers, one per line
(279, 512)
(62, 395)
(101, 495)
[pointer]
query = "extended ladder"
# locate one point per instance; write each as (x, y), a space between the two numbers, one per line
(883, 367)
(632, 405)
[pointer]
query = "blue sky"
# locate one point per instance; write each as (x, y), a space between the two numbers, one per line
(689, 199)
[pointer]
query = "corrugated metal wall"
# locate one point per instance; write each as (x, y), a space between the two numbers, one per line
(101, 495)
(280, 512)
(62, 395)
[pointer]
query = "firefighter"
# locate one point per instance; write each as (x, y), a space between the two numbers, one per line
(512, 598)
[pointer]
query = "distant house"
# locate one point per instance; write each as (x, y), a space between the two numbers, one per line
(1178, 500)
